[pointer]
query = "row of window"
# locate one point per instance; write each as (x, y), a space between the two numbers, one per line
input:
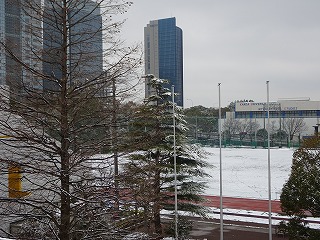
(13, 7)
(12, 25)
(278, 114)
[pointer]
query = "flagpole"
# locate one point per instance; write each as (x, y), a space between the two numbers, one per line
(269, 166)
(221, 198)
(175, 166)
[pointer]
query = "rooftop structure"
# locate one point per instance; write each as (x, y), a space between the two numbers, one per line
(164, 55)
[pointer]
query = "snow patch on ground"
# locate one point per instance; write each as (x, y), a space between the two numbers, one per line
(245, 172)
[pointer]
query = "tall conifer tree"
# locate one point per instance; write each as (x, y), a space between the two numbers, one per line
(152, 170)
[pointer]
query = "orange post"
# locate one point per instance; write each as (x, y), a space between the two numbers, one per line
(15, 182)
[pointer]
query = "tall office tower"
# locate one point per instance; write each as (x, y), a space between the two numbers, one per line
(163, 54)
(84, 39)
(16, 26)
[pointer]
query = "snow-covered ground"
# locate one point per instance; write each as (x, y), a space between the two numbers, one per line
(245, 171)
(245, 174)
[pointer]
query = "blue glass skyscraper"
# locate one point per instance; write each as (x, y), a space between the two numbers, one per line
(164, 55)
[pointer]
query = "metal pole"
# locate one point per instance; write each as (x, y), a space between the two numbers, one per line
(269, 166)
(197, 128)
(175, 166)
(255, 132)
(221, 198)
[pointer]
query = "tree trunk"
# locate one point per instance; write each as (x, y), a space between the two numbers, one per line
(64, 230)
(115, 146)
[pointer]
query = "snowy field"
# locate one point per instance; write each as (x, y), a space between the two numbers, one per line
(245, 172)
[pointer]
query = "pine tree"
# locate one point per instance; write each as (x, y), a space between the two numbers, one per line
(151, 169)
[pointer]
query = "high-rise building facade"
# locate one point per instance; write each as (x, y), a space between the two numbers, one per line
(16, 26)
(85, 43)
(11, 35)
(35, 41)
(164, 55)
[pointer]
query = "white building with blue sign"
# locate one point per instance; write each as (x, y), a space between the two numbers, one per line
(281, 111)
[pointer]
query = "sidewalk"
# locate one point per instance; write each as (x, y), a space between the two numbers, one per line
(243, 219)
(252, 223)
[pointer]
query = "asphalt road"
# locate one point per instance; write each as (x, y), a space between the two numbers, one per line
(210, 230)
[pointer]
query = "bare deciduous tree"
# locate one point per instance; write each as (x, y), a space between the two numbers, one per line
(231, 127)
(57, 116)
(248, 127)
(293, 126)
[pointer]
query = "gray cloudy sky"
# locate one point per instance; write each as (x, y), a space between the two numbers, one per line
(242, 44)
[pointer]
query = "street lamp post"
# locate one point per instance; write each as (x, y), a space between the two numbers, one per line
(175, 165)
(221, 198)
(269, 165)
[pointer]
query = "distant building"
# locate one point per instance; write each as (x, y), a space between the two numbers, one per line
(279, 111)
(164, 54)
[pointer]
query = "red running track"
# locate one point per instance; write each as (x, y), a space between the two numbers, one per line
(243, 204)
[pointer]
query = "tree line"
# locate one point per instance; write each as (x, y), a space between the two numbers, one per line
(203, 126)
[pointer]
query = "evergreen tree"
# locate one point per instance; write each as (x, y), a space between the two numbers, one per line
(301, 193)
(151, 169)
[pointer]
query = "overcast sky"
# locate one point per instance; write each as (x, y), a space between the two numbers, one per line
(240, 44)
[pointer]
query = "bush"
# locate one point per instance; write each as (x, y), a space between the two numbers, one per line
(184, 228)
